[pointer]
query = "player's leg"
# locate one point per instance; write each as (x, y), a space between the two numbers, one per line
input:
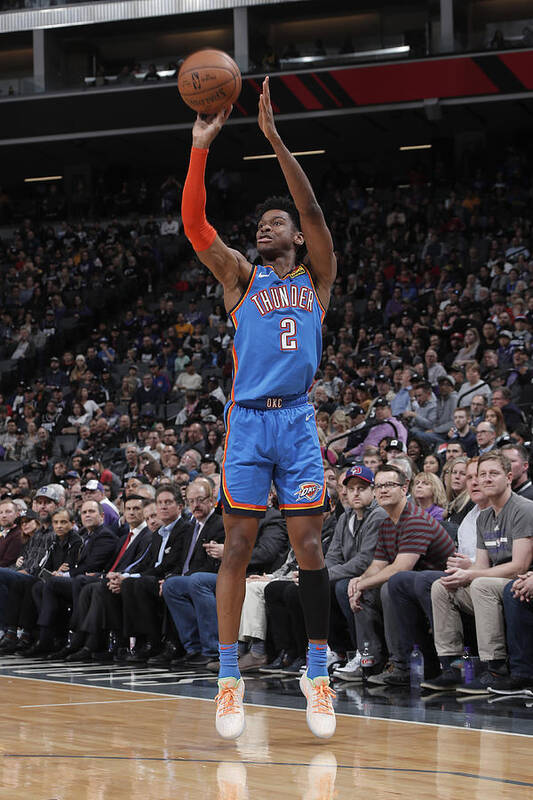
(305, 535)
(299, 480)
(241, 533)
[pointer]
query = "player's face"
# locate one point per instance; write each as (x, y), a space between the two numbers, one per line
(276, 233)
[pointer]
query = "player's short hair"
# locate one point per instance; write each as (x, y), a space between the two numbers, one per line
(283, 204)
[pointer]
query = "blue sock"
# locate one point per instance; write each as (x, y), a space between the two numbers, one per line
(229, 667)
(317, 660)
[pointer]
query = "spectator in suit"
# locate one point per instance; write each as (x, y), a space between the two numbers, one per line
(141, 591)
(94, 490)
(189, 595)
(87, 618)
(98, 544)
(61, 543)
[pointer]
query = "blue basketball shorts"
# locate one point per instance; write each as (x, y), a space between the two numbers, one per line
(275, 445)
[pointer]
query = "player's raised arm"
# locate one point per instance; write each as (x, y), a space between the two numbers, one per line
(316, 233)
(229, 266)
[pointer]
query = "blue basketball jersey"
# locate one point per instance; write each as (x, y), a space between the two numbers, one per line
(278, 336)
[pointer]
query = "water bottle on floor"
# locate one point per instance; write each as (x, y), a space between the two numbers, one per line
(468, 667)
(417, 667)
(367, 660)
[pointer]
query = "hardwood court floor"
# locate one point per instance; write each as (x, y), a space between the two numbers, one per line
(69, 742)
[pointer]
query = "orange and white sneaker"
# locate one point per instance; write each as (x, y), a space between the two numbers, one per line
(230, 709)
(320, 713)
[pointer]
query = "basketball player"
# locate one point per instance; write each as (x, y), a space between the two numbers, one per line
(277, 310)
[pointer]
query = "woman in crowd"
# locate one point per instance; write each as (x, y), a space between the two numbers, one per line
(215, 446)
(79, 370)
(78, 417)
(91, 408)
(416, 451)
(494, 415)
(459, 503)
(429, 493)
(322, 422)
(339, 423)
(432, 464)
(471, 348)
(347, 400)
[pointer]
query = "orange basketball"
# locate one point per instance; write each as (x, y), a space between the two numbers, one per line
(209, 80)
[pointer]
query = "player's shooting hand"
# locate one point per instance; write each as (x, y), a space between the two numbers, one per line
(207, 127)
(266, 115)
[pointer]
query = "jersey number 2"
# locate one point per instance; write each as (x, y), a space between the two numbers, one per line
(288, 334)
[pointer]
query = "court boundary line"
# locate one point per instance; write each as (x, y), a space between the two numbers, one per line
(181, 760)
(280, 708)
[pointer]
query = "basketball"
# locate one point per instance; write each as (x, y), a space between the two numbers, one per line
(209, 80)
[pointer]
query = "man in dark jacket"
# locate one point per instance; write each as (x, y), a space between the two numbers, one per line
(61, 542)
(98, 545)
(26, 565)
(189, 592)
(141, 591)
(87, 616)
(501, 398)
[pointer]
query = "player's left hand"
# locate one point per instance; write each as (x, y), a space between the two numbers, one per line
(266, 115)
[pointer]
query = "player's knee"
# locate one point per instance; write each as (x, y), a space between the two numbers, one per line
(237, 551)
(309, 553)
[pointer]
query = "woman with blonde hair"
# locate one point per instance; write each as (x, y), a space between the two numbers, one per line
(338, 423)
(470, 350)
(454, 478)
(322, 422)
(494, 415)
(429, 493)
(79, 370)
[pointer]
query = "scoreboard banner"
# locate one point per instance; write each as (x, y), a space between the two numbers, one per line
(368, 85)
(117, 110)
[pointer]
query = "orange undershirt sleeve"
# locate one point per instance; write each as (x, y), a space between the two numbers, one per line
(197, 229)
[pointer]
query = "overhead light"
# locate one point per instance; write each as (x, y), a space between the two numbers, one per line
(416, 147)
(44, 178)
(295, 153)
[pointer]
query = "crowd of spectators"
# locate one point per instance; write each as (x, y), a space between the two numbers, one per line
(112, 434)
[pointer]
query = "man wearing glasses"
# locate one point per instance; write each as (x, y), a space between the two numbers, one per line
(409, 539)
(190, 595)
